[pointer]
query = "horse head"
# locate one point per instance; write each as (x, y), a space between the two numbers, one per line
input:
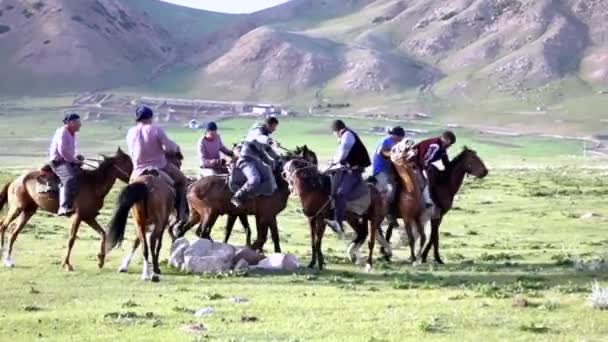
(472, 163)
(123, 164)
(175, 158)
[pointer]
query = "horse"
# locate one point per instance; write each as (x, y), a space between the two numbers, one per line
(210, 197)
(151, 198)
(444, 187)
(314, 189)
(409, 202)
(24, 200)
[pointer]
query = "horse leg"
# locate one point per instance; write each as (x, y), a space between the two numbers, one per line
(434, 241)
(155, 237)
(320, 227)
(385, 240)
(313, 234)
(411, 241)
(21, 221)
(10, 217)
(247, 228)
(274, 234)
(101, 257)
(124, 266)
(372, 224)
(208, 225)
(422, 236)
(141, 232)
(73, 232)
(361, 230)
(262, 229)
(229, 225)
(435, 228)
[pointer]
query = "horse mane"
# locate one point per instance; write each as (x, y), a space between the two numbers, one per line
(98, 173)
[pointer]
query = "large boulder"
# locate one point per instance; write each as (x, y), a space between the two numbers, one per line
(205, 256)
(279, 262)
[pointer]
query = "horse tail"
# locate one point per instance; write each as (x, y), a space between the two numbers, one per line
(133, 193)
(4, 195)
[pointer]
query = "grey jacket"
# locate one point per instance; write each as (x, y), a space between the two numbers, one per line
(257, 146)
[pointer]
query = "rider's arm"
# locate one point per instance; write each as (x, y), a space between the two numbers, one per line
(226, 151)
(65, 147)
(429, 157)
(167, 143)
(347, 141)
(445, 160)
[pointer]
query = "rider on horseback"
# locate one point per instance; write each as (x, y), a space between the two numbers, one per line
(257, 159)
(66, 163)
(428, 152)
(352, 159)
(147, 145)
(382, 170)
(209, 148)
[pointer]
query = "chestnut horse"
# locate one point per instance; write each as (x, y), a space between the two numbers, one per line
(210, 197)
(24, 200)
(444, 187)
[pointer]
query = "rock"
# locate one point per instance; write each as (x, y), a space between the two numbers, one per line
(279, 262)
(204, 311)
(194, 328)
(176, 256)
(249, 255)
(520, 302)
(588, 216)
(205, 256)
(599, 297)
(238, 300)
(241, 266)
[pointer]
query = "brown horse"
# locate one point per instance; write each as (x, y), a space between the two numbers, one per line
(210, 197)
(410, 207)
(152, 199)
(445, 186)
(24, 200)
(313, 188)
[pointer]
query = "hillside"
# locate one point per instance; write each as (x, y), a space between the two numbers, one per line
(499, 54)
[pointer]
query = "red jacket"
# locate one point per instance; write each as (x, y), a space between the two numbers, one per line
(430, 151)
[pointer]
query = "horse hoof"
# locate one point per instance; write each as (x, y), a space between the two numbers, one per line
(9, 263)
(68, 268)
(145, 277)
(101, 260)
(122, 270)
(368, 268)
(438, 261)
(155, 278)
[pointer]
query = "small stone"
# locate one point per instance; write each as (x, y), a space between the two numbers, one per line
(204, 311)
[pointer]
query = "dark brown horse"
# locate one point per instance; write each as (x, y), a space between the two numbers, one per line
(210, 197)
(313, 188)
(445, 186)
(152, 200)
(24, 200)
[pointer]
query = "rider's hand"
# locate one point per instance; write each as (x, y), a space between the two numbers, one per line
(80, 157)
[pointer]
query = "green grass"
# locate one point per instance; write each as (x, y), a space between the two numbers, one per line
(527, 231)
(517, 233)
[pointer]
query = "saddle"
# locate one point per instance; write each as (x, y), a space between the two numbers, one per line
(358, 200)
(47, 180)
(155, 172)
(236, 179)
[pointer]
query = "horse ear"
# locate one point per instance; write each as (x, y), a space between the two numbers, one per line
(465, 148)
(119, 151)
(305, 148)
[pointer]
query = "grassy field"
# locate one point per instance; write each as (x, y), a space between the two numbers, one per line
(512, 238)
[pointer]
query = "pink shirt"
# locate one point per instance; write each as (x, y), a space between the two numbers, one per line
(147, 144)
(63, 146)
(209, 150)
